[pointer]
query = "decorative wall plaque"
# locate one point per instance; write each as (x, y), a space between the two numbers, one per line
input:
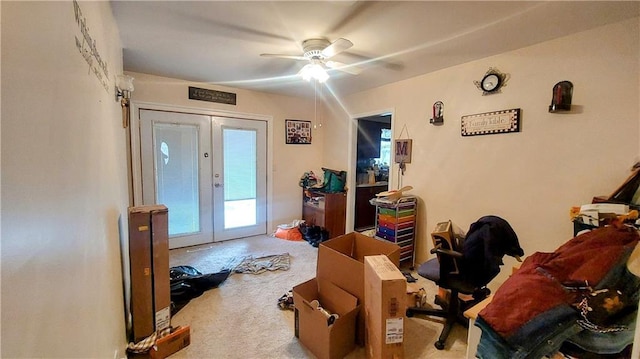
(490, 123)
(403, 151)
(196, 93)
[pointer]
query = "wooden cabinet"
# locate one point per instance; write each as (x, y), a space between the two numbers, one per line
(365, 212)
(326, 210)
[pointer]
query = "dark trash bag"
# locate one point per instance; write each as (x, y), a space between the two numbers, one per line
(188, 283)
(181, 272)
(313, 234)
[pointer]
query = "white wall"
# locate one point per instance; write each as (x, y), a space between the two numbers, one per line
(533, 177)
(288, 162)
(64, 184)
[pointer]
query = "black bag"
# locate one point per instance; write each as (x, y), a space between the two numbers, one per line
(313, 234)
(187, 283)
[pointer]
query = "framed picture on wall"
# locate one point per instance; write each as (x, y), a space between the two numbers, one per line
(298, 132)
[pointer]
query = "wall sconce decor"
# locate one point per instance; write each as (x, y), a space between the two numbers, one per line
(124, 88)
(438, 114)
(561, 100)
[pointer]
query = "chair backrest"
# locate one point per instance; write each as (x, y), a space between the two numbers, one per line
(448, 265)
(447, 236)
(479, 252)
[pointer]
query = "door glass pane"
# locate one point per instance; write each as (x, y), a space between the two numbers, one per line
(240, 167)
(176, 162)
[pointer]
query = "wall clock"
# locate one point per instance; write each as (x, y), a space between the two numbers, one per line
(492, 81)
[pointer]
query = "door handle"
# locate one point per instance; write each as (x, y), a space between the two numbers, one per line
(217, 185)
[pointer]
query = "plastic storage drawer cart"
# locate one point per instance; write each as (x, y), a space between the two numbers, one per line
(396, 222)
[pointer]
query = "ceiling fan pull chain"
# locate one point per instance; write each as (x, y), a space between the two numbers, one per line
(321, 102)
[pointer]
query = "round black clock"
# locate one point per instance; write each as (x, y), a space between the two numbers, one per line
(490, 82)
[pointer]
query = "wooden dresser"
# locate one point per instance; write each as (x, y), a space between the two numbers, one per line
(326, 210)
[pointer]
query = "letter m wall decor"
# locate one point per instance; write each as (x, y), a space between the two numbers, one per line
(402, 151)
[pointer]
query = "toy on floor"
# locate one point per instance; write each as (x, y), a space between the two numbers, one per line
(331, 318)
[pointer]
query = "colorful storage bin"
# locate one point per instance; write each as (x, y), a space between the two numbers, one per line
(396, 222)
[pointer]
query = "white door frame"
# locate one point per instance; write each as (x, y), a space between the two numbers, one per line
(353, 154)
(136, 162)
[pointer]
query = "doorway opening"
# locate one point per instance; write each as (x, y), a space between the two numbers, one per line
(373, 160)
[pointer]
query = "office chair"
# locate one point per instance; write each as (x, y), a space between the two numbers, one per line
(465, 265)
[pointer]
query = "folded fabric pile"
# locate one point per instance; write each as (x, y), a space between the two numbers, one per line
(581, 294)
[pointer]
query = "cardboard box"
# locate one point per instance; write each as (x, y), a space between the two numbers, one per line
(601, 214)
(384, 306)
(311, 325)
(171, 343)
(416, 295)
(149, 266)
(341, 261)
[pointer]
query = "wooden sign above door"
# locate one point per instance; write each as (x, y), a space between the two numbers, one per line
(196, 93)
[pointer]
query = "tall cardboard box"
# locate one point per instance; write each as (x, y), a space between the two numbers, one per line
(384, 306)
(324, 340)
(149, 266)
(341, 262)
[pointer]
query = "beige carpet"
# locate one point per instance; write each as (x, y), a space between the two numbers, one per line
(241, 318)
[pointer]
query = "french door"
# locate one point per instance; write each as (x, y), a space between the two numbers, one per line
(179, 155)
(239, 178)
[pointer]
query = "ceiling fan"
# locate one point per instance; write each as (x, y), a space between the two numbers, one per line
(318, 52)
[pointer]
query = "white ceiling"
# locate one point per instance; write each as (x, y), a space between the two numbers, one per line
(220, 42)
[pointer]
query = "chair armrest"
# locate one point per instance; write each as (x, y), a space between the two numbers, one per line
(447, 252)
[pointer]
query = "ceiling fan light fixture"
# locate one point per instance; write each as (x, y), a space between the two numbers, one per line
(314, 71)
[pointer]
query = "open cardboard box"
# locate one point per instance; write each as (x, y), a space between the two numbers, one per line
(341, 262)
(325, 340)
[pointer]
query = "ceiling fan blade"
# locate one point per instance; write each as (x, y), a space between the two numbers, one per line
(356, 15)
(294, 57)
(374, 61)
(351, 69)
(336, 47)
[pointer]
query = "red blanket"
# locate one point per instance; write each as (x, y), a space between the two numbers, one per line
(539, 284)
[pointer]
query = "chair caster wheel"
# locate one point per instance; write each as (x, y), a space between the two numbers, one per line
(439, 345)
